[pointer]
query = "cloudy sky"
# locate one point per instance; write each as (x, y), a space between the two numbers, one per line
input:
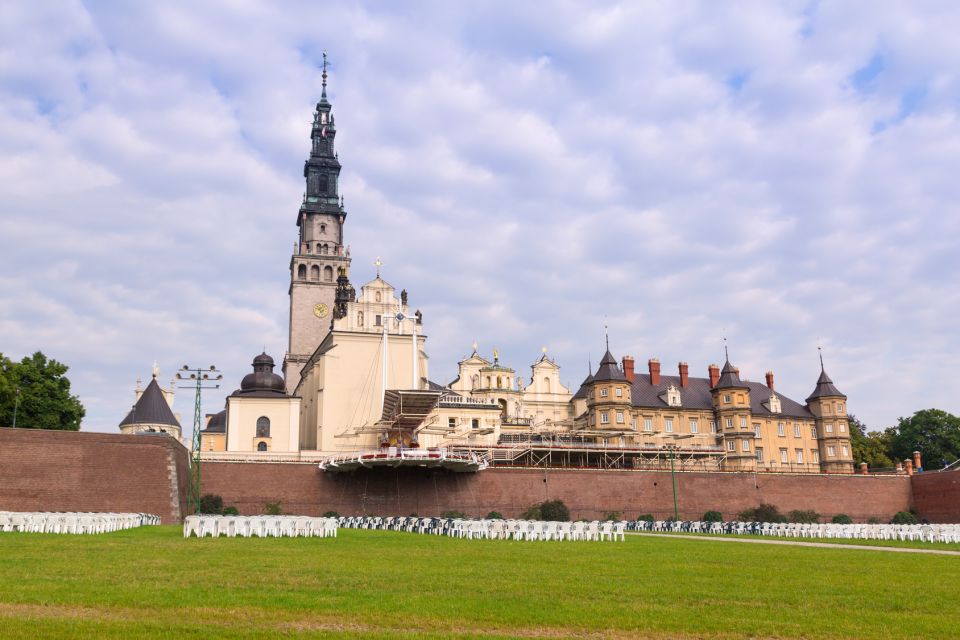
(782, 174)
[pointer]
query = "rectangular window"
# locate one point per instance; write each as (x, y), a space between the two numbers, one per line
(846, 452)
(619, 392)
(745, 444)
(648, 424)
(377, 321)
(831, 451)
(756, 429)
(729, 423)
(619, 417)
(799, 456)
(475, 423)
(813, 432)
(633, 424)
(759, 454)
(839, 407)
(452, 423)
(603, 393)
(669, 425)
(731, 445)
(694, 428)
(604, 417)
(726, 399)
(783, 456)
(796, 429)
(829, 427)
(842, 426)
(713, 426)
(743, 423)
(780, 431)
(815, 455)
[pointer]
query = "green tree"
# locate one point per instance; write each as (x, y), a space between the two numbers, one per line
(45, 400)
(932, 432)
(872, 447)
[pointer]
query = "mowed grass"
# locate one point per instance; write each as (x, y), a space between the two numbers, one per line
(150, 582)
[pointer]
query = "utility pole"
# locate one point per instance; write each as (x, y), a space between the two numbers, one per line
(16, 405)
(198, 377)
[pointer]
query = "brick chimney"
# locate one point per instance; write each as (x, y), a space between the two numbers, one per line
(654, 366)
(628, 368)
(863, 468)
(770, 380)
(916, 460)
(684, 374)
(736, 370)
(908, 465)
(714, 372)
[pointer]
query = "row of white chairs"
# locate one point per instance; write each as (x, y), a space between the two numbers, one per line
(214, 526)
(492, 529)
(73, 522)
(947, 533)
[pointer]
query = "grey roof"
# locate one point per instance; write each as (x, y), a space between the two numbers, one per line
(583, 390)
(217, 423)
(433, 386)
(729, 378)
(696, 395)
(151, 408)
(608, 369)
(825, 388)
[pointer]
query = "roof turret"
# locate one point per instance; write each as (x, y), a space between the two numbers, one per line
(151, 408)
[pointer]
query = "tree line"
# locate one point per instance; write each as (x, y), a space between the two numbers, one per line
(35, 394)
(932, 432)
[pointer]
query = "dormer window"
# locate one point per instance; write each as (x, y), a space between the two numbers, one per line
(774, 403)
(671, 396)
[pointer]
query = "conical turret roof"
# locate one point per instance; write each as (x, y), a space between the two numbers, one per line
(729, 378)
(151, 408)
(608, 369)
(825, 388)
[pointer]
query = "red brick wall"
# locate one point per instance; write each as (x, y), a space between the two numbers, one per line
(304, 489)
(936, 496)
(78, 471)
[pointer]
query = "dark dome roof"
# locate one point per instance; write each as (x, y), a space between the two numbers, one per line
(263, 380)
(263, 358)
(217, 423)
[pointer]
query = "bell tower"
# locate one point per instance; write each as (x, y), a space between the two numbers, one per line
(320, 254)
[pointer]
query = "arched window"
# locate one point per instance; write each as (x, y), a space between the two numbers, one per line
(302, 272)
(263, 427)
(262, 446)
(379, 297)
(325, 249)
(499, 382)
(328, 273)
(314, 272)
(474, 381)
(323, 228)
(546, 384)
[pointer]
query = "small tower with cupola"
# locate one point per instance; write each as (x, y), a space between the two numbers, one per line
(829, 408)
(608, 400)
(731, 405)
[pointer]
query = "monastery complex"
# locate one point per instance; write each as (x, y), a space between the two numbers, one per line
(355, 390)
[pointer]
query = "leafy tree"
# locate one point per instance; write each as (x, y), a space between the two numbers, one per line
(211, 503)
(331, 514)
(932, 432)
(554, 511)
(808, 516)
(762, 513)
(872, 447)
(494, 515)
(648, 517)
(45, 400)
(231, 511)
(612, 515)
(712, 516)
(453, 515)
(841, 518)
(904, 517)
(272, 509)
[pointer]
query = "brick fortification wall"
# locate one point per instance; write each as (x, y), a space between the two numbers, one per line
(936, 496)
(304, 489)
(78, 471)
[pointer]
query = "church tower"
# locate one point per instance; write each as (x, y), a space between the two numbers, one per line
(320, 255)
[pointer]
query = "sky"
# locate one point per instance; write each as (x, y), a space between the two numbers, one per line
(782, 175)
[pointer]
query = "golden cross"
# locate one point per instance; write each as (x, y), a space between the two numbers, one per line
(378, 263)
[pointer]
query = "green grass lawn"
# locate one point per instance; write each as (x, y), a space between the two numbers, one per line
(906, 544)
(150, 582)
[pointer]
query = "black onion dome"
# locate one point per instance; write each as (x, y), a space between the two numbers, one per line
(263, 379)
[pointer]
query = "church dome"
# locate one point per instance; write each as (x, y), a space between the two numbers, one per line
(263, 378)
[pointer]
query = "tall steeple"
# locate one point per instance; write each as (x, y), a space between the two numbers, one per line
(320, 256)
